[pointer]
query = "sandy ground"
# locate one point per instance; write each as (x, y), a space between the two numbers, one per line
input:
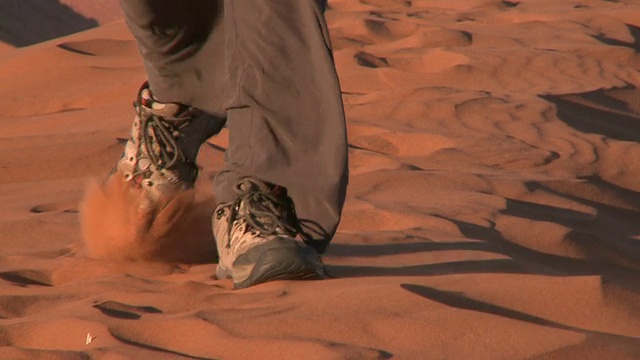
(493, 210)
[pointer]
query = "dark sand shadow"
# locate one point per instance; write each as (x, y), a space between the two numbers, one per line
(609, 238)
(462, 301)
(28, 22)
(496, 266)
(606, 112)
(633, 30)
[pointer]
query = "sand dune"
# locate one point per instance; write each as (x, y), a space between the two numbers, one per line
(5, 48)
(493, 209)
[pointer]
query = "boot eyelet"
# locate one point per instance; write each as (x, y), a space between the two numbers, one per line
(128, 176)
(219, 214)
(148, 183)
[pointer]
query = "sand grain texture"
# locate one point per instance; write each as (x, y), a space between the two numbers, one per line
(493, 209)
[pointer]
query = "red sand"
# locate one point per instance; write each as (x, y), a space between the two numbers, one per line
(119, 223)
(493, 210)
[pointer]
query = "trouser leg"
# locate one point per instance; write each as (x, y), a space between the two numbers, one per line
(284, 107)
(182, 45)
(267, 66)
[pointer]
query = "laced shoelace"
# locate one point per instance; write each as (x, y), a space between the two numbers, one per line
(154, 129)
(265, 210)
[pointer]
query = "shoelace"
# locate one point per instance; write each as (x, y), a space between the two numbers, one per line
(153, 128)
(265, 210)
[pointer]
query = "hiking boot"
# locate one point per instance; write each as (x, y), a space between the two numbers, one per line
(256, 237)
(160, 155)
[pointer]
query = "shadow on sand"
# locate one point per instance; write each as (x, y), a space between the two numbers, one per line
(606, 243)
(28, 22)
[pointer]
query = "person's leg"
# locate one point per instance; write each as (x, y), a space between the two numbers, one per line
(286, 165)
(182, 45)
(284, 108)
(285, 117)
(281, 93)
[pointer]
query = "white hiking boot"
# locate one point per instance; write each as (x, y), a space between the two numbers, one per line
(160, 155)
(256, 237)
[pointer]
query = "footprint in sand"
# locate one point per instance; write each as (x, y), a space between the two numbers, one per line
(65, 207)
(26, 277)
(388, 27)
(99, 47)
(431, 61)
(104, 54)
(125, 311)
(403, 143)
(378, 28)
(371, 61)
(432, 38)
(422, 52)
(388, 3)
(220, 343)
(22, 304)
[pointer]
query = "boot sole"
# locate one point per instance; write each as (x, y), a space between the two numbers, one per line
(281, 259)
